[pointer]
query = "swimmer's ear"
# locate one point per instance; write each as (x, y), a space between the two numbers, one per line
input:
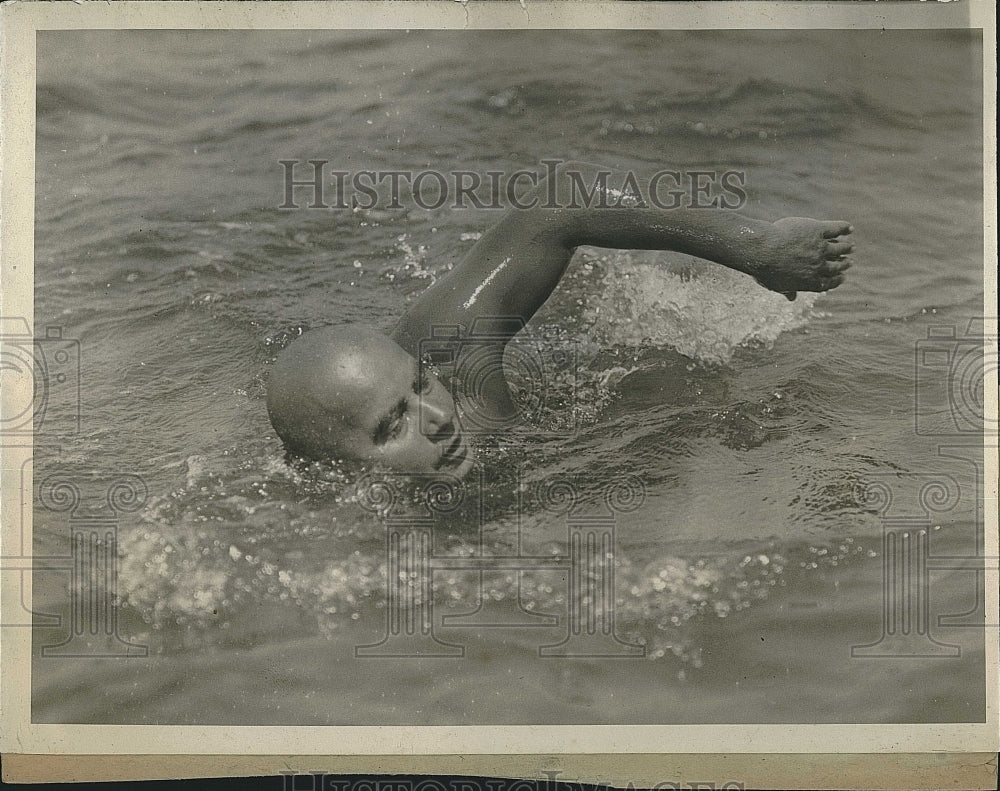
(790, 295)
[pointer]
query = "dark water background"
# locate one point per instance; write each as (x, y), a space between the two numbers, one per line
(749, 571)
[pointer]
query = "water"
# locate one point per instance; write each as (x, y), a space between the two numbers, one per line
(750, 569)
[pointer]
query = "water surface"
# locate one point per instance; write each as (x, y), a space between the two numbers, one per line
(750, 569)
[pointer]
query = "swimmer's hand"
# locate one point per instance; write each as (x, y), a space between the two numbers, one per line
(804, 255)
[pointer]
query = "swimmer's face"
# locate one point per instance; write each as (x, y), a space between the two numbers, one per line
(409, 423)
(355, 393)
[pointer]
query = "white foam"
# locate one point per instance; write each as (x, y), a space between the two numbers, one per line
(702, 310)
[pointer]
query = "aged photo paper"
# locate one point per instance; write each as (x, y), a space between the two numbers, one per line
(599, 392)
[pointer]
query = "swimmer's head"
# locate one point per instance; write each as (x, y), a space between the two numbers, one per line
(353, 393)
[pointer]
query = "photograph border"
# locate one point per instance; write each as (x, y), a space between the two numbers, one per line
(618, 752)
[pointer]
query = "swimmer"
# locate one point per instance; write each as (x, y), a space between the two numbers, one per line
(354, 393)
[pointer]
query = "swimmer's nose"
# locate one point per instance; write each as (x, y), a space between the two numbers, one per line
(444, 433)
(438, 423)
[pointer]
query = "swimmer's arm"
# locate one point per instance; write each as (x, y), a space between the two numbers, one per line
(790, 255)
(517, 264)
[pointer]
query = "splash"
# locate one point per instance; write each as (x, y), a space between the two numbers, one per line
(199, 583)
(702, 310)
(204, 560)
(412, 266)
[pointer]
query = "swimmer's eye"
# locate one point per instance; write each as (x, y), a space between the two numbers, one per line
(422, 383)
(391, 426)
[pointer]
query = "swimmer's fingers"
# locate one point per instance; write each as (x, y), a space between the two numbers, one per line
(834, 228)
(828, 283)
(838, 249)
(836, 267)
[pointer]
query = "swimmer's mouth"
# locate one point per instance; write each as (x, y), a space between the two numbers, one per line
(454, 454)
